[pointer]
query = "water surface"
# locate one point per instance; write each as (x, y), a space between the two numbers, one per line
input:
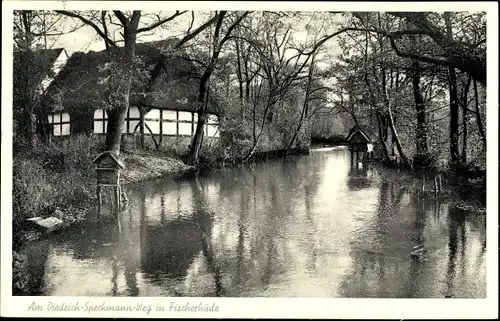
(303, 226)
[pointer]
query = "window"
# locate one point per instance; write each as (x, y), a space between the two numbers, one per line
(132, 120)
(185, 116)
(60, 123)
(100, 121)
(185, 129)
(152, 120)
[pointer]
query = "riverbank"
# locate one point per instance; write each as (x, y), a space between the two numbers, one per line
(276, 202)
(68, 195)
(61, 183)
(461, 186)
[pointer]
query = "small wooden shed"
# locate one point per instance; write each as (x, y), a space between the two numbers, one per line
(108, 166)
(359, 141)
(361, 147)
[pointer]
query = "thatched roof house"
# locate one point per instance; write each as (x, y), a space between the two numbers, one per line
(80, 88)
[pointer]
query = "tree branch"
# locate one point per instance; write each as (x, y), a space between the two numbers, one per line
(192, 22)
(89, 23)
(231, 28)
(160, 22)
(198, 30)
(121, 17)
(417, 57)
(192, 60)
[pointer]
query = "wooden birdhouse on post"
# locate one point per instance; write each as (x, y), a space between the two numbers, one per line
(108, 166)
(361, 147)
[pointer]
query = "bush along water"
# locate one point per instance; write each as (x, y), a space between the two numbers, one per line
(53, 180)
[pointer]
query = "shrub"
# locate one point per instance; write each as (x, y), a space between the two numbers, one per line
(33, 191)
(53, 175)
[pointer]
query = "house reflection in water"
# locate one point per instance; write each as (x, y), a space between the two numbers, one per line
(360, 177)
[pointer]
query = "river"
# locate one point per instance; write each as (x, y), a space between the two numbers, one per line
(301, 226)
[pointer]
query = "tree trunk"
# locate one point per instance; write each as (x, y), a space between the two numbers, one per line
(239, 73)
(118, 114)
(42, 125)
(261, 130)
(203, 90)
(478, 116)
(392, 126)
(395, 137)
(382, 136)
(306, 103)
(454, 126)
(27, 123)
(29, 66)
(421, 134)
(197, 140)
(116, 121)
(465, 119)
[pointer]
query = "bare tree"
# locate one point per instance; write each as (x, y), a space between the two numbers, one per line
(34, 30)
(218, 41)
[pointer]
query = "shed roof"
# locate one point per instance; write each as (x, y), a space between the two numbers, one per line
(113, 156)
(357, 129)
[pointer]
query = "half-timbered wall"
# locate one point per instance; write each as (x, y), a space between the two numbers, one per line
(160, 122)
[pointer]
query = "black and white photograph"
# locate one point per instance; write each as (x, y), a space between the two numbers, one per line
(165, 159)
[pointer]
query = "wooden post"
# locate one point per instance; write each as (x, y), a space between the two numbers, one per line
(440, 184)
(176, 125)
(142, 116)
(128, 120)
(104, 116)
(117, 199)
(60, 124)
(119, 222)
(192, 123)
(161, 128)
(99, 199)
(423, 184)
(120, 196)
(435, 185)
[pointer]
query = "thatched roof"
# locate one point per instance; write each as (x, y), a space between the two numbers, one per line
(80, 84)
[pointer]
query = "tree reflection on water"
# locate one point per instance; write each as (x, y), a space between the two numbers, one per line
(297, 226)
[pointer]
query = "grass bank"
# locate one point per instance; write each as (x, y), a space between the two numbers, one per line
(59, 180)
(463, 184)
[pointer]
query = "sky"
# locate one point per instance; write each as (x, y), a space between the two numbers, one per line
(86, 39)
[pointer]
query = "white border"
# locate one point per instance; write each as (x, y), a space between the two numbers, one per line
(258, 307)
